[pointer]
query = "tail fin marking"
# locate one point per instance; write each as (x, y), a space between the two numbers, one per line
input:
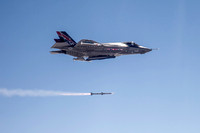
(65, 37)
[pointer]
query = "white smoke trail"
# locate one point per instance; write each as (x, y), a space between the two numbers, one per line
(37, 93)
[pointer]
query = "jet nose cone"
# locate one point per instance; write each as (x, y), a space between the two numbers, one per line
(147, 50)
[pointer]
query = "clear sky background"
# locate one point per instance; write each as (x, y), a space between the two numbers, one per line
(157, 92)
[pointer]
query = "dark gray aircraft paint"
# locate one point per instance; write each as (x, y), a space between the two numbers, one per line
(88, 50)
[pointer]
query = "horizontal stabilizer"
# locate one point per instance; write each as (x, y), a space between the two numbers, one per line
(60, 45)
(58, 52)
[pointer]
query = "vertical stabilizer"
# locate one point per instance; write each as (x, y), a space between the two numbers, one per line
(64, 37)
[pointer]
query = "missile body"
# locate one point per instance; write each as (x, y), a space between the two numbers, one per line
(102, 93)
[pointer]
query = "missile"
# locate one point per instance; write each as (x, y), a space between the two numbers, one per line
(102, 93)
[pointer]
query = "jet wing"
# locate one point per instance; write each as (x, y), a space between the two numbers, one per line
(100, 57)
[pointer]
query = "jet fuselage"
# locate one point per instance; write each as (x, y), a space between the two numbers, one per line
(92, 50)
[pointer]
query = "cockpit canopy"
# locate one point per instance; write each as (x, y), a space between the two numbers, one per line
(132, 44)
(88, 41)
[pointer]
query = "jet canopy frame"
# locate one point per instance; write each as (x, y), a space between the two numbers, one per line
(132, 44)
(88, 41)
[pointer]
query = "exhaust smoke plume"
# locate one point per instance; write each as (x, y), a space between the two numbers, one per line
(37, 93)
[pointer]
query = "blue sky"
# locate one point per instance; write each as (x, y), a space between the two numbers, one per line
(155, 92)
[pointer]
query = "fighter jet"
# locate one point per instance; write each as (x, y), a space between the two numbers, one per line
(88, 50)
